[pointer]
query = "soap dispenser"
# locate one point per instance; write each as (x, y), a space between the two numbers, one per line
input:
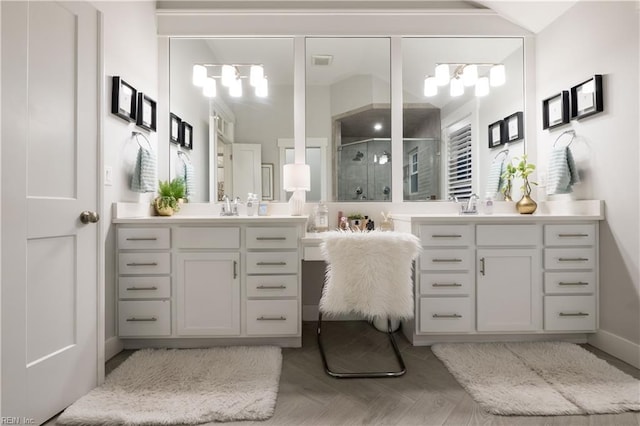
(321, 217)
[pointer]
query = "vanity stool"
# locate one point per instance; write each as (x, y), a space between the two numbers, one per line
(368, 273)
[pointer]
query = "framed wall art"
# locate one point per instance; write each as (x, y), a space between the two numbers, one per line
(555, 110)
(496, 134)
(187, 135)
(175, 126)
(123, 99)
(267, 181)
(146, 116)
(514, 127)
(586, 98)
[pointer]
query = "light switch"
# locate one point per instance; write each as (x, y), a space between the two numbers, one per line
(108, 175)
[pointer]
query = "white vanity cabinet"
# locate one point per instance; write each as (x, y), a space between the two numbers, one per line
(189, 283)
(512, 277)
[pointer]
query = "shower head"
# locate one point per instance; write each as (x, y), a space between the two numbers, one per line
(358, 156)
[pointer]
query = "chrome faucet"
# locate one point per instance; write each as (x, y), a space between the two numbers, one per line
(229, 209)
(472, 205)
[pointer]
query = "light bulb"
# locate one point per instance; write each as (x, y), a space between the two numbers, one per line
(228, 75)
(482, 86)
(442, 74)
(199, 75)
(497, 75)
(377, 127)
(256, 74)
(262, 89)
(470, 74)
(209, 88)
(235, 90)
(457, 87)
(430, 86)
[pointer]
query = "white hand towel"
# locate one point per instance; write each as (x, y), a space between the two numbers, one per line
(189, 179)
(494, 179)
(144, 173)
(562, 173)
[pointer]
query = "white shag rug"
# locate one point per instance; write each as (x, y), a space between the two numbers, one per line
(539, 378)
(184, 386)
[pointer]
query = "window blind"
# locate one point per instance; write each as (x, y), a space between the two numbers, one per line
(459, 164)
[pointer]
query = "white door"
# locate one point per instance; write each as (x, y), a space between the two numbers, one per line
(509, 297)
(247, 170)
(49, 176)
(208, 294)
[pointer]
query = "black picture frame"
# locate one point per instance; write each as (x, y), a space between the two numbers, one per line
(585, 103)
(555, 110)
(496, 134)
(123, 99)
(146, 116)
(514, 127)
(187, 135)
(175, 129)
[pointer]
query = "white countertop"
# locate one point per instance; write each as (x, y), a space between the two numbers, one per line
(218, 220)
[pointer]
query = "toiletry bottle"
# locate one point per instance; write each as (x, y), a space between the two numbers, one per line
(488, 203)
(321, 217)
(250, 204)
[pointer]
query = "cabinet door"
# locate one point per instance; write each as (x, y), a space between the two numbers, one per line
(208, 296)
(509, 297)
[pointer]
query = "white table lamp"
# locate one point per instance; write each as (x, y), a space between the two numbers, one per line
(296, 178)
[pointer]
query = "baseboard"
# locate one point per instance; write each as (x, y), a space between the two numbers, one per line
(430, 339)
(112, 347)
(617, 346)
(195, 342)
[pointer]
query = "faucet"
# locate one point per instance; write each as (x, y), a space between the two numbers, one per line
(472, 205)
(227, 208)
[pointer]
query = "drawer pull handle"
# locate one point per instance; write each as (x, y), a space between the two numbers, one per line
(574, 314)
(447, 260)
(447, 316)
(446, 285)
(142, 239)
(280, 318)
(446, 236)
(572, 235)
(271, 238)
(262, 286)
(573, 283)
(134, 319)
(235, 269)
(271, 263)
(482, 265)
(142, 288)
(142, 264)
(573, 259)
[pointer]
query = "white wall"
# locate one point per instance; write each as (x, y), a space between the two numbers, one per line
(602, 38)
(130, 51)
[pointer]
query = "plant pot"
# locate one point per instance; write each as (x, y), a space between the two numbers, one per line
(526, 205)
(162, 211)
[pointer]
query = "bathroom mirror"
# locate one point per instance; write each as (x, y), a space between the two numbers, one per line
(236, 132)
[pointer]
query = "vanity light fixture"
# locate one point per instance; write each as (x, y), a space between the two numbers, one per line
(231, 76)
(465, 74)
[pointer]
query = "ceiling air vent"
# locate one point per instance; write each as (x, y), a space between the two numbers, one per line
(321, 60)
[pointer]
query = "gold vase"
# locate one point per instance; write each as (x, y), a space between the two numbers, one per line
(162, 211)
(526, 205)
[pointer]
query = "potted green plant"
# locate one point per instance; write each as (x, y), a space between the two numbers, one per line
(355, 220)
(169, 192)
(526, 205)
(508, 176)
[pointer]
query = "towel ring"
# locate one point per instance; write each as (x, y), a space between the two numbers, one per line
(504, 151)
(136, 134)
(184, 154)
(566, 132)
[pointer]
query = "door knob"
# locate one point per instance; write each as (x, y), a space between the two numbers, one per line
(89, 217)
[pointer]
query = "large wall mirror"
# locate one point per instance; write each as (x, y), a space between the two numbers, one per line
(237, 94)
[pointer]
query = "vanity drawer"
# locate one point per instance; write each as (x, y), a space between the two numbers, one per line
(446, 235)
(569, 258)
(144, 318)
(445, 259)
(143, 238)
(200, 237)
(569, 282)
(272, 238)
(570, 235)
(272, 285)
(445, 314)
(144, 287)
(272, 262)
(272, 317)
(570, 313)
(144, 263)
(445, 283)
(508, 235)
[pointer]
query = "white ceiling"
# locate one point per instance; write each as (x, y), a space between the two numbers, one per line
(531, 15)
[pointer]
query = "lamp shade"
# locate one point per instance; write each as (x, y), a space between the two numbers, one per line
(296, 177)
